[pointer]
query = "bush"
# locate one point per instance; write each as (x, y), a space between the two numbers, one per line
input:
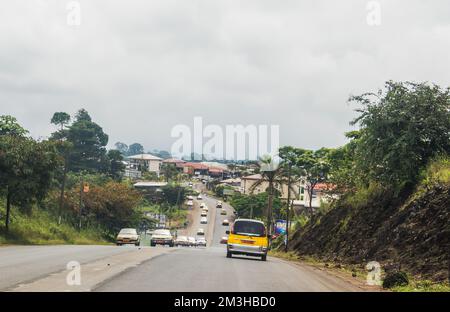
(395, 279)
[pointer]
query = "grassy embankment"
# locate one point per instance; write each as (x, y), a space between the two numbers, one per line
(40, 228)
(410, 233)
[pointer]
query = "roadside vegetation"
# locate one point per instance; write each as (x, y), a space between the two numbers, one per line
(388, 187)
(69, 188)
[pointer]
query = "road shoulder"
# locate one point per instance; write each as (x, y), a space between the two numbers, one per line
(94, 273)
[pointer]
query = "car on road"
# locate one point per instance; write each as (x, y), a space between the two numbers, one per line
(201, 242)
(204, 213)
(190, 203)
(205, 208)
(162, 237)
(199, 197)
(128, 236)
(203, 220)
(192, 242)
(202, 205)
(225, 222)
(200, 232)
(223, 212)
(248, 237)
(219, 204)
(190, 197)
(181, 241)
(224, 240)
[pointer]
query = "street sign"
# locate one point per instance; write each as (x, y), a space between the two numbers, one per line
(280, 227)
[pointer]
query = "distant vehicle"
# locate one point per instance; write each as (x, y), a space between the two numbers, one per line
(225, 222)
(190, 203)
(224, 240)
(203, 220)
(162, 237)
(191, 184)
(205, 208)
(204, 213)
(200, 232)
(181, 241)
(223, 212)
(219, 204)
(190, 197)
(128, 236)
(248, 237)
(201, 241)
(192, 241)
(202, 205)
(199, 197)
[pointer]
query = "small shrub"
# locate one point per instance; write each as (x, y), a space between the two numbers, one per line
(395, 279)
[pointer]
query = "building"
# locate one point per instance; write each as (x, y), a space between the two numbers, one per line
(146, 162)
(178, 163)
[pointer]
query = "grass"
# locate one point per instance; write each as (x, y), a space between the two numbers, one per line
(40, 228)
(423, 286)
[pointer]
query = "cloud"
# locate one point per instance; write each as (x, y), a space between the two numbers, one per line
(142, 67)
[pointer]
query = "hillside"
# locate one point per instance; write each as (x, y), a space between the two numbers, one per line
(411, 235)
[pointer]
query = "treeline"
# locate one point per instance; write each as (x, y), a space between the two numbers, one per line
(53, 174)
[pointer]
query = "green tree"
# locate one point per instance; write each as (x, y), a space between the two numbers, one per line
(135, 149)
(402, 127)
(9, 126)
(273, 174)
(26, 171)
(314, 169)
(60, 119)
(169, 171)
(89, 141)
(122, 148)
(116, 166)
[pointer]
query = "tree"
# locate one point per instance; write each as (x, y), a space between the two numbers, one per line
(273, 175)
(122, 148)
(60, 119)
(89, 141)
(9, 126)
(315, 167)
(135, 149)
(402, 127)
(116, 166)
(26, 170)
(169, 171)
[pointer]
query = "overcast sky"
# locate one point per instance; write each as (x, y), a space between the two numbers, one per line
(142, 67)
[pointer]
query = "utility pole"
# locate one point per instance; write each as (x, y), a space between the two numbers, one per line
(288, 211)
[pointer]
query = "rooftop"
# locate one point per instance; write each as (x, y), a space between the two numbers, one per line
(144, 157)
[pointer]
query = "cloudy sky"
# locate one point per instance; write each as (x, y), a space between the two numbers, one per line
(142, 67)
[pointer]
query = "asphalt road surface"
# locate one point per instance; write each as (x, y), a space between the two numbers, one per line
(164, 269)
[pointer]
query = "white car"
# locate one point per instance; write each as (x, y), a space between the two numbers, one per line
(200, 232)
(128, 236)
(225, 222)
(192, 241)
(202, 205)
(162, 237)
(190, 197)
(190, 203)
(204, 213)
(201, 241)
(205, 208)
(203, 220)
(199, 197)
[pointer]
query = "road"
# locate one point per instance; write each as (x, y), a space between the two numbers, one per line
(110, 268)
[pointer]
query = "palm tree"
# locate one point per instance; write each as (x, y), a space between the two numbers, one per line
(273, 174)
